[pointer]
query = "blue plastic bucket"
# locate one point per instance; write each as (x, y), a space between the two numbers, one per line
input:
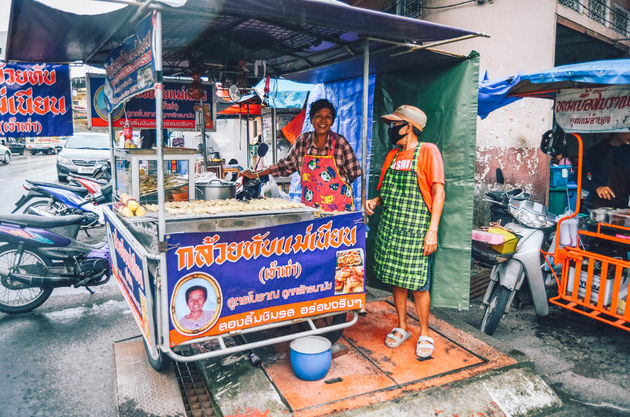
(311, 357)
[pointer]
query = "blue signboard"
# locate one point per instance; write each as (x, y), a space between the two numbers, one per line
(130, 67)
(130, 270)
(178, 108)
(225, 281)
(35, 100)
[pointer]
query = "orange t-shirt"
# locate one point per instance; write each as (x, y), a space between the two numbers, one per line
(430, 168)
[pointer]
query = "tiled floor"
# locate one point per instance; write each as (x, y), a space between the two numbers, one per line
(367, 372)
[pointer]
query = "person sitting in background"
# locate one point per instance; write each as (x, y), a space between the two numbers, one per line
(607, 172)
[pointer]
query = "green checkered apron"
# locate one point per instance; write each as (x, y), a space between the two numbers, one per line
(399, 255)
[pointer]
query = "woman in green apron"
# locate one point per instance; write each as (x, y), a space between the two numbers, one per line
(412, 193)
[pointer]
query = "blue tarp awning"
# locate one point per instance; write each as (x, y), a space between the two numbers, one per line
(494, 94)
(284, 94)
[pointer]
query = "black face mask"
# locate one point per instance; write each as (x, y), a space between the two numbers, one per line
(394, 133)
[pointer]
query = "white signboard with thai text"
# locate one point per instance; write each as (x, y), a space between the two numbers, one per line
(591, 110)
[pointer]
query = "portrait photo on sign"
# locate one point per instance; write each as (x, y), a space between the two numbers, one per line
(196, 303)
(350, 272)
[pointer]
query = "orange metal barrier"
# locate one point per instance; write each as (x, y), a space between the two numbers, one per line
(593, 284)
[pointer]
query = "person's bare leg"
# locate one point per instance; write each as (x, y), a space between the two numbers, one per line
(423, 305)
(400, 301)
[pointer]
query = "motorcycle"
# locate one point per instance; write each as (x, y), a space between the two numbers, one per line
(533, 225)
(59, 200)
(38, 254)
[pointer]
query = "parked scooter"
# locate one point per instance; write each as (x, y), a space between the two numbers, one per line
(39, 254)
(51, 199)
(532, 224)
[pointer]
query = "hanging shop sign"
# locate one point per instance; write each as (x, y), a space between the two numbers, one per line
(592, 110)
(219, 282)
(179, 108)
(35, 100)
(130, 67)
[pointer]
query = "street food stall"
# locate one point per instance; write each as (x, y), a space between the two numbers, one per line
(589, 98)
(260, 264)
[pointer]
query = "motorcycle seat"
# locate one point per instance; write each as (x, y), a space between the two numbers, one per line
(31, 220)
(78, 190)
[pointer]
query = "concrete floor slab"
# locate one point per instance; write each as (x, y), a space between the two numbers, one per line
(141, 391)
(367, 376)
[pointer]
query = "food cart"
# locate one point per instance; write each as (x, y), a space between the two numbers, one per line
(259, 267)
(590, 97)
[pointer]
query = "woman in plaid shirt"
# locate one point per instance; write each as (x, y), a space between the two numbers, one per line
(412, 192)
(325, 160)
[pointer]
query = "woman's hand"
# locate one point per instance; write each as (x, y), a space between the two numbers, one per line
(430, 242)
(370, 205)
(247, 173)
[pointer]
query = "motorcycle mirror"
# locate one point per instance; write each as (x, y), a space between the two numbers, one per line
(499, 175)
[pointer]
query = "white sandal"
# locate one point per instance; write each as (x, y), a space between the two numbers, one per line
(424, 343)
(395, 335)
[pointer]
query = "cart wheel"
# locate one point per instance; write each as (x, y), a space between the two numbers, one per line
(161, 362)
(336, 334)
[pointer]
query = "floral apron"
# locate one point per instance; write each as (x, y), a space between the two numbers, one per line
(322, 186)
(399, 257)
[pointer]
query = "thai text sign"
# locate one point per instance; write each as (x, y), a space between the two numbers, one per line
(219, 282)
(130, 67)
(605, 109)
(35, 100)
(177, 106)
(130, 269)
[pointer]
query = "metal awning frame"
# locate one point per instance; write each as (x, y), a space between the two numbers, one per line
(364, 44)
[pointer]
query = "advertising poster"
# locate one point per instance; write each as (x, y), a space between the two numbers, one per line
(178, 107)
(592, 110)
(35, 100)
(130, 269)
(220, 282)
(130, 67)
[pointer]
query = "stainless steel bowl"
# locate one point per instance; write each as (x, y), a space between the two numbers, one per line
(215, 189)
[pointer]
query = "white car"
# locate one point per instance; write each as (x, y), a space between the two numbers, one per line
(5, 155)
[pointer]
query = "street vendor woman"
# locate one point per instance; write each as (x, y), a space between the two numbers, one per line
(325, 160)
(607, 169)
(412, 192)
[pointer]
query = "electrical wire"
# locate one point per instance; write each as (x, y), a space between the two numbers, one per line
(449, 5)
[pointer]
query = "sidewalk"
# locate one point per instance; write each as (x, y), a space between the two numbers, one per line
(469, 374)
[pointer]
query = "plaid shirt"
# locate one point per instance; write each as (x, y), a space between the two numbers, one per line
(345, 158)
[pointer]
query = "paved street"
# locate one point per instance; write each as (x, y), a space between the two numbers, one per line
(37, 167)
(57, 360)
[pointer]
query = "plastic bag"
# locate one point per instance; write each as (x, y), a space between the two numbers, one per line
(271, 189)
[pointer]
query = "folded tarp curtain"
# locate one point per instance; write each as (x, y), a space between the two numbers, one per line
(449, 98)
(494, 94)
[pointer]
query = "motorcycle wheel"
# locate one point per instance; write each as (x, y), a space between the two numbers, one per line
(51, 208)
(494, 310)
(161, 362)
(16, 297)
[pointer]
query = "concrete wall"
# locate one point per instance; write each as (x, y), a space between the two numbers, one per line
(522, 40)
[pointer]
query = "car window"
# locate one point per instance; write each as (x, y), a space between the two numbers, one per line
(88, 142)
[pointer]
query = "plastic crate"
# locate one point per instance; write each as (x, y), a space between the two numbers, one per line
(559, 175)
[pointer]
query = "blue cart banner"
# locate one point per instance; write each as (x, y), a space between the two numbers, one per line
(130, 269)
(220, 282)
(35, 100)
(130, 67)
(178, 107)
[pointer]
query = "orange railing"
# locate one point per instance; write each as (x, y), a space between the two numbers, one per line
(592, 284)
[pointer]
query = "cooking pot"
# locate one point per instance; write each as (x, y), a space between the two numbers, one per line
(215, 189)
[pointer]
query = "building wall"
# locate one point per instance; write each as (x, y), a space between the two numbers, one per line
(522, 34)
